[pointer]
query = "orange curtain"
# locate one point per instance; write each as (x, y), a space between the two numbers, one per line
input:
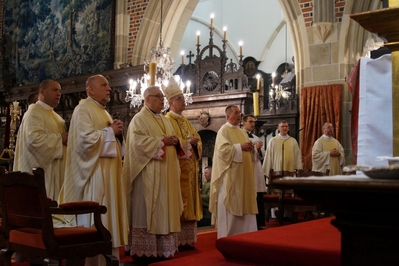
(319, 104)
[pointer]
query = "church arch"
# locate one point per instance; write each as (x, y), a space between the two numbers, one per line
(176, 15)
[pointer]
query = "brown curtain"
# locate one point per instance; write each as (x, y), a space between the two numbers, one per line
(319, 104)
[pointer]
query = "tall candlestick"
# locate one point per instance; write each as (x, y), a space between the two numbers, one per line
(211, 25)
(240, 43)
(256, 103)
(14, 113)
(198, 37)
(224, 33)
(257, 81)
(182, 57)
(152, 71)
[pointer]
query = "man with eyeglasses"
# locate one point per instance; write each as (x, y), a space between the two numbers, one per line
(248, 123)
(151, 172)
(282, 155)
(282, 152)
(189, 163)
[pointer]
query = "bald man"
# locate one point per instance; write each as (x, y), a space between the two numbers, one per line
(94, 163)
(327, 152)
(42, 138)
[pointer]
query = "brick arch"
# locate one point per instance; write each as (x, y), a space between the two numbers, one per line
(297, 27)
(176, 15)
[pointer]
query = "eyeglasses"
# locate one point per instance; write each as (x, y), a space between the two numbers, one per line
(159, 96)
(179, 98)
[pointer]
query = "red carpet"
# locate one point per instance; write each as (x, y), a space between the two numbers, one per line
(205, 253)
(315, 242)
(205, 243)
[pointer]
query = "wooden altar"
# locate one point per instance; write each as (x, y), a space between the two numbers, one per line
(365, 211)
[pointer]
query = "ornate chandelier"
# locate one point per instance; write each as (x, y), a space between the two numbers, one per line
(159, 68)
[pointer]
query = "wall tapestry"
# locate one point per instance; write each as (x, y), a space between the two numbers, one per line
(56, 39)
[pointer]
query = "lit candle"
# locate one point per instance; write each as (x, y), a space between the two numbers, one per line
(134, 87)
(240, 44)
(224, 33)
(212, 16)
(273, 75)
(257, 81)
(188, 84)
(131, 86)
(256, 103)
(198, 37)
(182, 57)
(152, 71)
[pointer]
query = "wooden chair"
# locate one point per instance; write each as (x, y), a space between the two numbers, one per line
(270, 201)
(28, 227)
(296, 204)
(273, 198)
(3, 170)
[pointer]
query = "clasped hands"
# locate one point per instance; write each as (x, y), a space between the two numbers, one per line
(194, 140)
(335, 153)
(259, 144)
(247, 146)
(117, 126)
(171, 140)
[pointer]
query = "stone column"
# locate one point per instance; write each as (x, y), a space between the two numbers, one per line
(121, 33)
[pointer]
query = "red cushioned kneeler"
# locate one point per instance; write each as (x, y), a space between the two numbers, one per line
(315, 242)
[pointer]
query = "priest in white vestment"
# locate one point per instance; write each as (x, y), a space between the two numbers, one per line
(41, 142)
(233, 196)
(282, 152)
(42, 139)
(248, 123)
(151, 172)
(328, 153)
(282, 155)
(94, 164)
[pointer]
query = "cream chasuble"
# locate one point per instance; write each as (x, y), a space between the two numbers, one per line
(275, 152)
(236, 178)
(321, 159)
(90, 175)
(39, 144)
(151, 171)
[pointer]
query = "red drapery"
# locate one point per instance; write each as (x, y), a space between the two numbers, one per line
(319, 104)
(353, 84)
